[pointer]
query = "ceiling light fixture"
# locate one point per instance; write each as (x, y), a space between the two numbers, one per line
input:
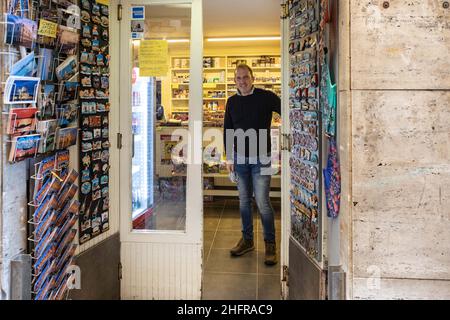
(243, 39)
(177, 40)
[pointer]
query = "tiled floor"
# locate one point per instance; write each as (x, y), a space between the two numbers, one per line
(236, 278)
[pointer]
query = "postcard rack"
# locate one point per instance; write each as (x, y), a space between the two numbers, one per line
(42, 114)
(54, 214)
(53, 97)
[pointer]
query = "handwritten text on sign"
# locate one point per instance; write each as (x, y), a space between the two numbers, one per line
(153, 58)
(47, 28)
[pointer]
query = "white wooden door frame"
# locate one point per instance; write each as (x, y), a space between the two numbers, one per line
(285, 170)
(171, 255)
(194, 193)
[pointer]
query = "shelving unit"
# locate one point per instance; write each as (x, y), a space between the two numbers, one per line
(219, 77)
(218, 86)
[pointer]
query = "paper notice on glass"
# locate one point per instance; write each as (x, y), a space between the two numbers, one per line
(153, 58)
(47, 28)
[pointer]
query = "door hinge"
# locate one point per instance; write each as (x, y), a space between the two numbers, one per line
(285, 275)
(286, 141)
(120, 271)
(119, 12)
(119, 141)
(284, 10)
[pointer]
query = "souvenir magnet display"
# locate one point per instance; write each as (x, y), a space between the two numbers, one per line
(94, 92)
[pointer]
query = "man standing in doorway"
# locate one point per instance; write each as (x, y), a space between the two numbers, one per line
(247, 123)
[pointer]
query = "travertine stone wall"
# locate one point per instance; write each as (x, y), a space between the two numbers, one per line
(396, 98)
(345, 141)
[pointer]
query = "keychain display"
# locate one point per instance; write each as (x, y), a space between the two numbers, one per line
(328, 99)
(332, 181)
(94, 95)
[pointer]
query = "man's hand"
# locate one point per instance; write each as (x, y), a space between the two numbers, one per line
(230, 167)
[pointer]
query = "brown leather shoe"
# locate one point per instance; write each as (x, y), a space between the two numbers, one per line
(242, 247)
(270, 258)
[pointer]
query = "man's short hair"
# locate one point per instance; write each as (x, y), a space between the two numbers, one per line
(244, 66)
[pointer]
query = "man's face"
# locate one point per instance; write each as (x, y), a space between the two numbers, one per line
(244, 81)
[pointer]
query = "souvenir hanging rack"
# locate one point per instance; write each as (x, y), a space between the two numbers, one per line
(313, 103)
(94, 120)
(306, 126)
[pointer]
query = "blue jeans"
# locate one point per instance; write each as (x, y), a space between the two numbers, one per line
(251, 180)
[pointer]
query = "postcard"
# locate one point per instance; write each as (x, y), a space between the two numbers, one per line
(67, 255)
(25, 67)
(48, 219)
(46, 240)
(68, 39)
(67, 69)
(45, 166)
(20, 31)
(49, 200)
(48, 28)
(67, 239)
(46, 101)
(62, 159)
(67, 114)
(47, 130)
(14, 7)
(67, 194)
(24, 9)
(66, 137)
(44, 258)
(41, 280)
(70, 179)
(45, 64)
(68, 91)
(21, 90)
(68, 224)
(23, 147)
(21, 120)
(70, 208)
(42, 173)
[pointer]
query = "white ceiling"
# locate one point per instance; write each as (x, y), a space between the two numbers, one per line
(224, 18)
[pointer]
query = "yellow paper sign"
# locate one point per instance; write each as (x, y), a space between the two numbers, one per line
(105, 2)
(47, 28)
(153, 58)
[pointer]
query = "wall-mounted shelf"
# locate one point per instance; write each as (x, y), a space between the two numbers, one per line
(220, 70)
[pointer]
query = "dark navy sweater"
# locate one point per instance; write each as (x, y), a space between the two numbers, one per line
(253, 111)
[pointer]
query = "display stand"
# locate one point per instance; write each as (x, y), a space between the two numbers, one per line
(306, 127)
(52, 229)
(94, 120)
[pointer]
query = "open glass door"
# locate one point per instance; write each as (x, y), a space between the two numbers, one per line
(161, 196)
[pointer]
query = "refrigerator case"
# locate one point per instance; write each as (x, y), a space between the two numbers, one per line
(143, 113)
